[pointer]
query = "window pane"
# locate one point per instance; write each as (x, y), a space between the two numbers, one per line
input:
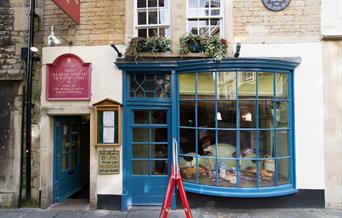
(140, 135)
(140, 167)
(65, 161)
(248, 174)
(206, 114)
(202, 12)
(187, 86)
(206, 86)
(266, 143)
(282, 114)
(266, 114)
(152, 3)
(266, 173)
(162, 32)
(140, 151)
(141, 3)
(247, 114)
(206, 142)
(162, 17)
(227, 173)
(193, 3)
(142, 18)
(152, 17)
(265, 85)
(159, 167)
(193, 12)
(159, 135)
(158, 116)
(162, 3)
(282, 86)
(215, 3)
(283, 144)
(226, 114)
(75, 159)
(207, 171)
(248, 144)
(215, 12)
(192, 26)
(159, 151)
(187, 113)
(226, 87)
(187, 141)
(203, 3)
(226, 144)
(204, 31)
(141, 116)
(152, 85)
(247, 84)
(283, 171)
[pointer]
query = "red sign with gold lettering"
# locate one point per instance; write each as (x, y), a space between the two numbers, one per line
(68, 78)
(70, 7)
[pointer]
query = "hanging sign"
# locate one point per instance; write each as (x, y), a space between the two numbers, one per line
(68, 78)
(70, 7)
(276, 5)
(109, 162)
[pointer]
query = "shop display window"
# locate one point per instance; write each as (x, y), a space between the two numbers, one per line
(234, 129)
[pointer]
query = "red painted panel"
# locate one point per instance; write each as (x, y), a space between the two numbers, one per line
(70, 7)
(68, 78)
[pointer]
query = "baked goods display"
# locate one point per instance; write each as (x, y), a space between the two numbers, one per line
(190, 172)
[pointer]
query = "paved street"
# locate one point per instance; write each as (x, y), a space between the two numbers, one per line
(150, 212)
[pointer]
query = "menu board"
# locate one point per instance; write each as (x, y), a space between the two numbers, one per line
(109, 162)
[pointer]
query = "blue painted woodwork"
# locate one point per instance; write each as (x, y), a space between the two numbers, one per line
(66, 177)
(156, 66)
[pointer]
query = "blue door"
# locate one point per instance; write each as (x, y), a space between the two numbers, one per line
(66, 157)
(149, 137)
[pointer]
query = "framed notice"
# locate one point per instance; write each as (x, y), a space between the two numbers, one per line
(107, 116)
(109, 162)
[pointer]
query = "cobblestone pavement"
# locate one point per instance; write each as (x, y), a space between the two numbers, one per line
(143, 212)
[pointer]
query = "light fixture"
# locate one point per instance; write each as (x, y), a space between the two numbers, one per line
(111, 43)
(247, 117)
(218, 116)
(54, 40)
(34, 49)
(237, 50)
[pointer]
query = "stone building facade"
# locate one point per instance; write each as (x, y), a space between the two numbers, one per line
(295, 31)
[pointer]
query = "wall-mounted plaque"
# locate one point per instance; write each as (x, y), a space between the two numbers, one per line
(109, 162)
(276, 5)
(68, 78)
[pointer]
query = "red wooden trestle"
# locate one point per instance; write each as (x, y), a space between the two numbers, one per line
(174, 179)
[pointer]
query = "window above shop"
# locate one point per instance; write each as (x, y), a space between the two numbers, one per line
(152, 18)
(205, 17)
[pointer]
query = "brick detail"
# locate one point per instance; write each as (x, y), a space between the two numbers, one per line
(101, 22)
(254, 23)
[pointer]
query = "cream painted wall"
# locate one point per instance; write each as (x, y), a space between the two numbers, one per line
(309, 123)
(106, 82)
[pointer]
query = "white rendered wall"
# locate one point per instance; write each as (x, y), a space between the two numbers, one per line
(308, 91)
(106, 82)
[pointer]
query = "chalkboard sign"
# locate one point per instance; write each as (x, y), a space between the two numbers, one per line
(276, 5)
(109, 162)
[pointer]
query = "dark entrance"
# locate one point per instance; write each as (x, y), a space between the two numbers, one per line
(71, 157)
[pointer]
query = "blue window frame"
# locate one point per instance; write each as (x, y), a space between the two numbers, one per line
(234, 117)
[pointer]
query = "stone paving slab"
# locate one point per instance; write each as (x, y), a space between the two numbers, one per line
(142, 212)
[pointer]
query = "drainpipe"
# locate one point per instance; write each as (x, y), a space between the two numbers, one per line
(29, 99)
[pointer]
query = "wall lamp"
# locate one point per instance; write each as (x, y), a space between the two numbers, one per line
(237, 50)
(54, 40)
(111, 43)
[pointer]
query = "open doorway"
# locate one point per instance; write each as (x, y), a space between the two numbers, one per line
(71, 157)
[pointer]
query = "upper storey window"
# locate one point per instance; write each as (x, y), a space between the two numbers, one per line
(152, 18)
(205, 17)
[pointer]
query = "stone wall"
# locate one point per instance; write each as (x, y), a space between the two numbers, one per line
(299, 22)
(101, 22)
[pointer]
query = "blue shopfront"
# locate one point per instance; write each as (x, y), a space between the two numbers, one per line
(233, 120)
